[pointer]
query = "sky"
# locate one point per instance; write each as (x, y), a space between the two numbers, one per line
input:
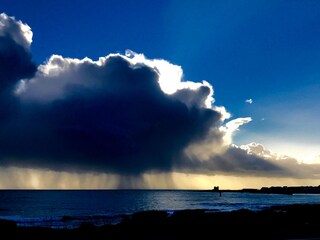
(159, 94)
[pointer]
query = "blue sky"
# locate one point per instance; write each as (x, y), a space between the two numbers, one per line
(268, 51)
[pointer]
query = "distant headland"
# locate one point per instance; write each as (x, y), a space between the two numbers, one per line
(275, 190)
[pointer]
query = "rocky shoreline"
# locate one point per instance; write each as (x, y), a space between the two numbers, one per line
(278, 222)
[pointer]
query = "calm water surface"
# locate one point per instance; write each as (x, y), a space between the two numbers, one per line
(68, 209)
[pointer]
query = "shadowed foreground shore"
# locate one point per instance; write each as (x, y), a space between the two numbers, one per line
(285, 222)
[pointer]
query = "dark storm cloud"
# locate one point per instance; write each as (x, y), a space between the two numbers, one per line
(15, 63)
(112, 115)
(126, 124)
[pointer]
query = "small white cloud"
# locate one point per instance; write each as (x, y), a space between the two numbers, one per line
(250, 101)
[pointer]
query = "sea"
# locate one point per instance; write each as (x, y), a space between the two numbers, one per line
(71, 208)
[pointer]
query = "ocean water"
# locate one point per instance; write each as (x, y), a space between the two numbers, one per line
(68, 209)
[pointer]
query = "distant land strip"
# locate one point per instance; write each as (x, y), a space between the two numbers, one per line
(274, 190)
